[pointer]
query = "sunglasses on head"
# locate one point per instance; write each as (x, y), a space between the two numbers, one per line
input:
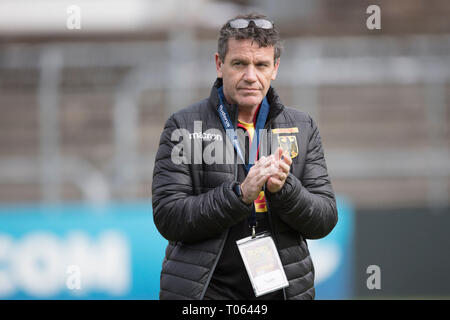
(244, 23)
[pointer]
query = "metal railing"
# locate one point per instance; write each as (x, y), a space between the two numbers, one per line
(184, 64)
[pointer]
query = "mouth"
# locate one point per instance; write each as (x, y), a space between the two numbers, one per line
(248, 89)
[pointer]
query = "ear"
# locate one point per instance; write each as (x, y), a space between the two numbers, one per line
(219, 64)
(275, 69)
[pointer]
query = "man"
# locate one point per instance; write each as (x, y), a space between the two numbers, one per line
(206, 208)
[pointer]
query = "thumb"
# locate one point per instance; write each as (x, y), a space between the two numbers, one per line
(278, 153)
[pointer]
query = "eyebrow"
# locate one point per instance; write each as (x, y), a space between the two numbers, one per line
(245, 60)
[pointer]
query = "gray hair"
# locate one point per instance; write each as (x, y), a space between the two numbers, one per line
(264, 37)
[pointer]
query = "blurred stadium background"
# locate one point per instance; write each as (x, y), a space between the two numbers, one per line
(82, 111)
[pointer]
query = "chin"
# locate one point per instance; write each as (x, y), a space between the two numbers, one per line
(250, 101)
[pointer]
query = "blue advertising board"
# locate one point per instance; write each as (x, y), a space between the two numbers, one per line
(333, 257)
(80, 251)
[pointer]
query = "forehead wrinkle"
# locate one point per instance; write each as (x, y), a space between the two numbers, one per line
(249, 49)
(255, 56)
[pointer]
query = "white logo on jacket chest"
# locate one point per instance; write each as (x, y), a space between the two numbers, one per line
(205, 136)
(189, 147)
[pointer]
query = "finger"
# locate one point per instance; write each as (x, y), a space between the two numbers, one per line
(275, 182)
(267, 162)
(284, 167)
(281, 176)
(259, 162)
(277, 157)
(265, 173)
(278, 153)
(273, 160)
(263, 160)
(274, 167)
(259, 181)
(287, 159)
(265, 166)
(281, 153)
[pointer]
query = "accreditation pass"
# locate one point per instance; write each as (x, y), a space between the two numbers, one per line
(263, 263)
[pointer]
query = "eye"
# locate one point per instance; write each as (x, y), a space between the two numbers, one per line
(237, 63)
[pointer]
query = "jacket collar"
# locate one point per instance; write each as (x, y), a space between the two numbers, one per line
(276, 106)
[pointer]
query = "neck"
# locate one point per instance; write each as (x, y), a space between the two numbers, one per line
(247, 114)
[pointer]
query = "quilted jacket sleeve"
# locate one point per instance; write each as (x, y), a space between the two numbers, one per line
(179, 215)
(309, 205)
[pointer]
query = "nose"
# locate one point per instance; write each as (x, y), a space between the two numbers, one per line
(250, 74)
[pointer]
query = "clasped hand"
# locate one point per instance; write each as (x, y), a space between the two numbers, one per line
(272, 169)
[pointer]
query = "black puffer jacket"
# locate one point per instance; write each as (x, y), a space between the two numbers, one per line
(194, 204)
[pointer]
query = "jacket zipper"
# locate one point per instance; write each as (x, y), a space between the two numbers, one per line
(211, 272)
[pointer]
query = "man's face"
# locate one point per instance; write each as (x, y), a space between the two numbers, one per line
(246, 72)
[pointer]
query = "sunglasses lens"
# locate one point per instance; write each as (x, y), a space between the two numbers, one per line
(263, 23)
(243, 23)
(239, 23)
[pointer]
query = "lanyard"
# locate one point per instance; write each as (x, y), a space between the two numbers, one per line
(232, 135)
(231, 132)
